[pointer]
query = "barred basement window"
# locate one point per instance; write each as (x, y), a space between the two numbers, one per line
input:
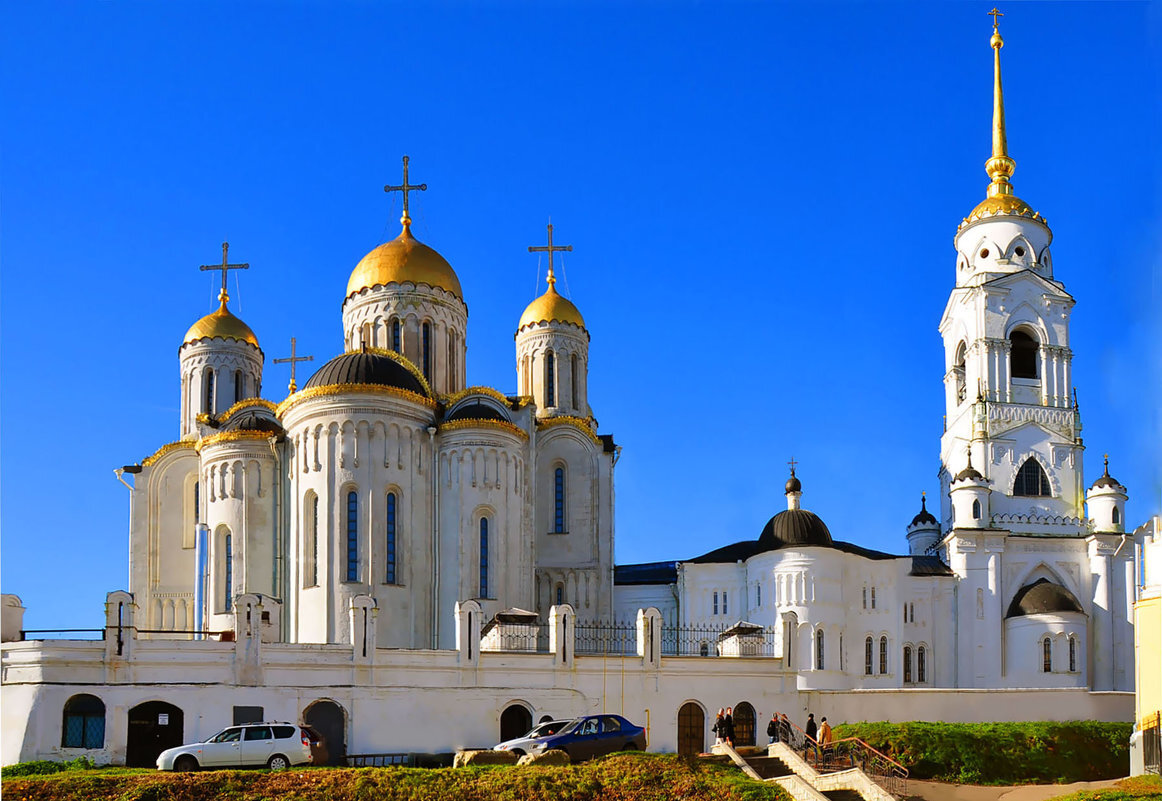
(84, 722)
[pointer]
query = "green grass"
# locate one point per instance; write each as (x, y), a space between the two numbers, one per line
(1002, 753)
(621, 777)
(1133, 789)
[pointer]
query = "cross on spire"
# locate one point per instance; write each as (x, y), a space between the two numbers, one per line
(405, 187)
(994, 14)
(551, 249)
(292, 360)
(225, 266)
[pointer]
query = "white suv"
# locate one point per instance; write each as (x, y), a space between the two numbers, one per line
(273, 745)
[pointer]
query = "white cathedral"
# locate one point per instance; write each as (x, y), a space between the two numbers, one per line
(388, 543)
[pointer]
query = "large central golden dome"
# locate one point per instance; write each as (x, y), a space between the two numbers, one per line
(221, 324)
(404, 260)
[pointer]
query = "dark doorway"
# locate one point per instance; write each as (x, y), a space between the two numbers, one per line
(327, 718)
(691, 729)
(744, 724)
(153, 727)
(515, 721)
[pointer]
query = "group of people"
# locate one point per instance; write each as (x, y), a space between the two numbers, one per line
(779, 730)
(723, 727)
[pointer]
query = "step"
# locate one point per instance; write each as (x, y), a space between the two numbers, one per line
(769, 767)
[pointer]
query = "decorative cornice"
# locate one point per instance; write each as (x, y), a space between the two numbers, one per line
(148, 461)
(233, 436)
(246, 404)
(344, 389)
(581, 424)
(456, 397)
(499, 425)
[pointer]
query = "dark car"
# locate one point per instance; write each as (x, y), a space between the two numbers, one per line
(592, 736)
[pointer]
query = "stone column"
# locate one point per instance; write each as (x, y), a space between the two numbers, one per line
(562, 634)
(1101, 632)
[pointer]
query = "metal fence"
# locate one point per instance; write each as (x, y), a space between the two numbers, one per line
(1152, 742)
(612, 639)
(517, 638)
(380, 760)
(719, 640)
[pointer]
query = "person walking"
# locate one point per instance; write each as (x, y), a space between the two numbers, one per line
(811, 730)
(773, 728)
(729, 723)
(719, 727)
(825, 738)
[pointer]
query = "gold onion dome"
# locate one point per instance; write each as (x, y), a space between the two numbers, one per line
(221, 325)
(404, 259)
(551, 307)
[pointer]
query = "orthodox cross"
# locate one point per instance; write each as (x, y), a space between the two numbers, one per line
(225, 266)
(792, 463)
(994, 14)
(551, 249)
(405, 187)
(292, 361)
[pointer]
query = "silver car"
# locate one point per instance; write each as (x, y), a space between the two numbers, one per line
(271, 745)
(523, 745)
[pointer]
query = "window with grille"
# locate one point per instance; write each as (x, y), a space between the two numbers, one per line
(883, 655)
(716, 602)
(390, 567)
(484, 557)
(921, 666)
(84, 722)
(819, 649)
(427, 350)
(395, 338)
(1046, 655)
(352, 536)
(867, 656)
(1072, 655)
(550, 380)
(1031, 480)
(907, 664)
(559, 501)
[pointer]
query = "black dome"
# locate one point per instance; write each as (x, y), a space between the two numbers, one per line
(366, 368)
(925, 517)
(794, 484)
(794, 527)
(1106, 479)
(251, 420)
(476, 411)
(967, 473)
(1042, 597)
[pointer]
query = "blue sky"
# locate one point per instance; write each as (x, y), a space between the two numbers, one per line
(761, 199)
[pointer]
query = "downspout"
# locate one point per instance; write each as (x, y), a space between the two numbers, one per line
(201, 537)
(434, 468)
(279, 532)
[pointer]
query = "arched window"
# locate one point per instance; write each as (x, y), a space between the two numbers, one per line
(228, 572)
(560, 594)
(389, 573)
(395, 343)
(867, 656)
(1072, 654)
(883, 655)
(559, 501)
(976, 509)
(239, 386)
(208, 401)
(958, 372)
(819, 649)
(1117, 516)
(716, 602)
(907, 664)
(426, 331)
(573, 382)
(1023, 355)
(921, 664)
(1046, 655)
(550, 380)
(84, 722)
(352, 536)
(1031, 480)
(311, 542)
(484, 557)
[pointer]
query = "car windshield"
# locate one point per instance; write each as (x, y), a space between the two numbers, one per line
(226, 736)
(546, 728)
(570, 726)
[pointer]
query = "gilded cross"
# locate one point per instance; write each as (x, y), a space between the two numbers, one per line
(405, 187)
(225, 266)
(292, 360)
(792, 463)
(551, 249)
(994, 14)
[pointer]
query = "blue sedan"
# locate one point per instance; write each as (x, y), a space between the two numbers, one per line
(593, 736)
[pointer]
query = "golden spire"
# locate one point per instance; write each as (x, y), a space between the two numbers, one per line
(999, 167)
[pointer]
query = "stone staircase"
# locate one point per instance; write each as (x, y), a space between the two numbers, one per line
(781, 765)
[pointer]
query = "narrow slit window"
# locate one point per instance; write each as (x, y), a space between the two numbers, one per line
(716, 603)
(395, 344)
(907, 664)
(427, 350)
(228, 571)
(352, 536)
(484, 557)
(559, 501)
(239, 386)
(1046, 655)
(550, 380)
(819, 649)
(573, 382)
(390, 568)
(883, 655)
(867, 656)
(208, 401)
(1072, 654)
(921, 664)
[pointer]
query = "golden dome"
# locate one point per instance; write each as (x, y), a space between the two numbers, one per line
(551, 308)
(404, 259)
(221, 324)
(1001, 204)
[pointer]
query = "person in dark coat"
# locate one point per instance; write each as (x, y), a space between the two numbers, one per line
(773, 728)
(729, 723)
(811, 730)
(719, 727)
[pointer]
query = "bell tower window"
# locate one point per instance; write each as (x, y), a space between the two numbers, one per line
(395, 345)
(1023, 355)
(208, 404)
(1032, 481)
(550, 379)
(427, 350)
(958, 372)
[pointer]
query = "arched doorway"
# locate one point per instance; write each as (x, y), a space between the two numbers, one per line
(328, 719)
(515, 721)
(153, 727)
(744, 724)
(691, 729)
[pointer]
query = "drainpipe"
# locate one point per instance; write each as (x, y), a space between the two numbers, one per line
(279, 532)
(201, 537)
(434, 469)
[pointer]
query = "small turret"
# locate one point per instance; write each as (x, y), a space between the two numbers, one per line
(923, 531)
(970, 497)
(1106, 502)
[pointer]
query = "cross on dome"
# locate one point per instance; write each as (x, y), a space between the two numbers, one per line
(292, 360)
(405, 187)
(551, 249)
(225, 266)
(994, 14)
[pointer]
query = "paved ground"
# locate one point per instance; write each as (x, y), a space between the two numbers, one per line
(937, 791)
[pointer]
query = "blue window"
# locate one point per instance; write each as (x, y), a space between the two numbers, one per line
(390, 573)
(484, 557)
(229, 549)
(559, 501)
(427, 336)
(352, 536)
(716, 603)
(560, 595)
(395, 344)
(550, 380)
(208, 404)
(84, 722)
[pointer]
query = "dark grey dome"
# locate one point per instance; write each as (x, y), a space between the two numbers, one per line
(476, 411)
(366, 368)
(794, 527)
(1042, 597)
(252, 420)
(969, 472)
(794, 484)
(924, 517)
(1106, 479)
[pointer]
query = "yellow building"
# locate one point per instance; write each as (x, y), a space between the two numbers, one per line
(1146, 741)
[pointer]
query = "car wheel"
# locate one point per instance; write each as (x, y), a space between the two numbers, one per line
(629, 747)
(185, 763)
(518, 752)
(278, 762)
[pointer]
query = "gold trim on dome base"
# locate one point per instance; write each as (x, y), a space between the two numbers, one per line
(551, 307)
(402, 361)
(247, 403)
(221, 324)
(581, 424)
(459, 425)
(1002, 206)
(149, 461)
(403, 260)
(456, 397)
(233, 436)
(342, 389)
